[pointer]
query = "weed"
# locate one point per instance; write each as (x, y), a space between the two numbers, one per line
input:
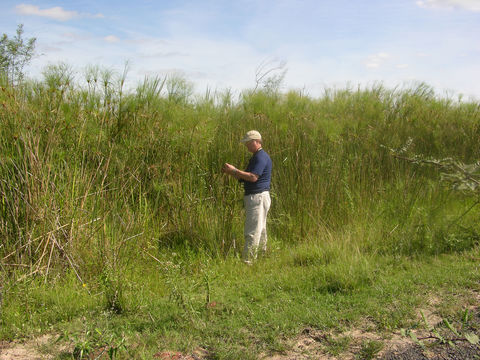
(448, 334)
(369, 349)
(93, 342)
(338, 345)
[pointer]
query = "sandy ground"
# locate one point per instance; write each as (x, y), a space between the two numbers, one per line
(29, 350)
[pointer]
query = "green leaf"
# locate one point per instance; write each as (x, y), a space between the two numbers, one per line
(429, 327)
(438, 336)
(472, 338)
(415, 339)
(465, 317)
(112, 352)
(450, 327)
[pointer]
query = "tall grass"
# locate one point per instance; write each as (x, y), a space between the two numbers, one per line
(93, 176)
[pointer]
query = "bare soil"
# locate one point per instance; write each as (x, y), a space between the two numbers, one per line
(29, 350)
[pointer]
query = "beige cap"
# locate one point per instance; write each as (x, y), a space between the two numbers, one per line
(252, 135)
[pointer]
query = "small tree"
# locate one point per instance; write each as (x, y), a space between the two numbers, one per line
(270, 75)
(15, 53)
(457, 175)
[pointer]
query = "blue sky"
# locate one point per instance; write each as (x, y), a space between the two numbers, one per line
(221, 44)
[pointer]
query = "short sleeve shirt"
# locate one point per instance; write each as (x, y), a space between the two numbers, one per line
(260, 164)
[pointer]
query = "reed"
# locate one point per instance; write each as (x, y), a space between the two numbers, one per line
(85, 166)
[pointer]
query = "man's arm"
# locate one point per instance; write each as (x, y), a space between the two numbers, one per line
(239, 174)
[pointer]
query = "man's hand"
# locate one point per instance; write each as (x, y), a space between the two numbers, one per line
(229, 169)
(241, 175)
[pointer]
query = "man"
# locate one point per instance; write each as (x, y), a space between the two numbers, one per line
(256, 181)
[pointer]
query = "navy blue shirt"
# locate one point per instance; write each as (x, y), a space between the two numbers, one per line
(260, 164)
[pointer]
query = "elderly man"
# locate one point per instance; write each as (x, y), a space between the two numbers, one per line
(256, 181)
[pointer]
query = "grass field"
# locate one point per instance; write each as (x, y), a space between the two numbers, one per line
(120, 234)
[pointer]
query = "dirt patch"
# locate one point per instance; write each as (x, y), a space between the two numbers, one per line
(198, 354)
(459, 352)
(29, 350)
(350, 345)
(432, 348)
(315, 344)
(365, 343)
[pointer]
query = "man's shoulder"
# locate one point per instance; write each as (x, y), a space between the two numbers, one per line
(265, 155)
(262, 153)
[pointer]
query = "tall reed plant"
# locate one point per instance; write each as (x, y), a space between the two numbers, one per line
(92, 175)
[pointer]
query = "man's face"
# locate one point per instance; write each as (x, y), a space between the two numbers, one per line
(252, 145)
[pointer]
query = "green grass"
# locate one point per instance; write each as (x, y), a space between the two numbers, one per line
(248, 309)
(369, 349)
(119, 231)
(337, 346)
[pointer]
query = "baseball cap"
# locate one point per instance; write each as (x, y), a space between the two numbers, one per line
(251, 135)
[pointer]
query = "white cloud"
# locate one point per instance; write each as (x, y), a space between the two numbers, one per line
(372, 65)
(70, 36)
(471, 5)
(402, 66)
(111, 39)
(422, 54)
(376, 60)
(55, 13)
(225, 62)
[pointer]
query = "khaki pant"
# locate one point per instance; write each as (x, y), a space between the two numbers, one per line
(256, 210)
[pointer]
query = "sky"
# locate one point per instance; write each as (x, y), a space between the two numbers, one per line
(220, 45)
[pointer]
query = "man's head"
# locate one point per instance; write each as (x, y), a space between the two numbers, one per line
(252, 140)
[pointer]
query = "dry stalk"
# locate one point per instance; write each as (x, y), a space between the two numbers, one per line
(43, 237)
